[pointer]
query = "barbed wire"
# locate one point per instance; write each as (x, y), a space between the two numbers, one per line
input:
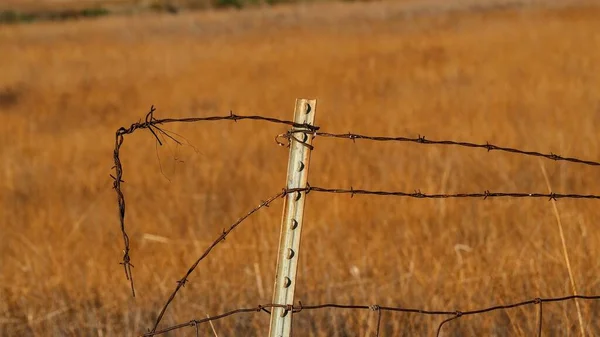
(422, 140)
(117, 180)
(419, 195)
(219, 239)
(352, 192)
(456, 314)
(153, 125)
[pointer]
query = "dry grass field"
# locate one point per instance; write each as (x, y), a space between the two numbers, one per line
(519, 76)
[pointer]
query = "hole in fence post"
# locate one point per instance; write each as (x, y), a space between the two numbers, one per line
(301, 167)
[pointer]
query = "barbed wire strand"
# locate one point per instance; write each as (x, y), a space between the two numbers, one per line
(117, 180)
(454, 314)
(419, 195)
(352, 192)
(221, 238)
(422, 140)
(152, 124)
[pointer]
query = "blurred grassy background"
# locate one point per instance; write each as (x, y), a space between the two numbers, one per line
(25, 11)
(519, 76)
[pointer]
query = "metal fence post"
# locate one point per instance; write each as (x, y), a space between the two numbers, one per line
(291, 224)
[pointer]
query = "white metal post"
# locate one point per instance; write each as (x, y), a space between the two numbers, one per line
(291, 224)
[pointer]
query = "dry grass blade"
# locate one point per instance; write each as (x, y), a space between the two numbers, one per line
(565, 252)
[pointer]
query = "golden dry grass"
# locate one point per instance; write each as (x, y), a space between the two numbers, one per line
(521, 77)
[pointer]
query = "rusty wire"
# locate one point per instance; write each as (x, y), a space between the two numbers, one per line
(221, 238)
(117, 180)
(456, 314)
(419, 195)
(422, 140)
(351, 192)
(153, 125)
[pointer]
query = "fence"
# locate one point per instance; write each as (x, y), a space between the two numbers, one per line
(299, 139)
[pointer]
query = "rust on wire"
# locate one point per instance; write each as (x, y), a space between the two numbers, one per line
(300, 135)
(419, 195)
(302, 307)
(288, 136)
(153, 124)
(487, 146)
(117, 180)
(221, 237)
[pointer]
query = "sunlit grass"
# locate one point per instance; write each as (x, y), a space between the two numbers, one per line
(516, 77)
